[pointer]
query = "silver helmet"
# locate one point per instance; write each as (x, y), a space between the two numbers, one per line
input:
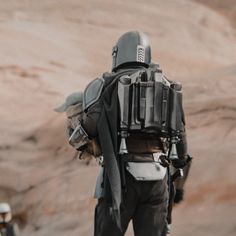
(131, 47)
(5, 213)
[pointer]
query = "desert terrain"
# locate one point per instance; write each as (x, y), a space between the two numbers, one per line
(51, 48)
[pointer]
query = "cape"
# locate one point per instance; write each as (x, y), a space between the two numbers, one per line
(109, 140)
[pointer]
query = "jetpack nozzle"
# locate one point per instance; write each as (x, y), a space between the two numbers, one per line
(123, 146)
(173, 152)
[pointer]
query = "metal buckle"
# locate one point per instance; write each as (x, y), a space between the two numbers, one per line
(156, 156)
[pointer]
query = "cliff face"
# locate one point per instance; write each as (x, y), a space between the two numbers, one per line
(52, 48)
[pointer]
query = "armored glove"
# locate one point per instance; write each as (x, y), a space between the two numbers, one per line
(180, 163)
(179, 195)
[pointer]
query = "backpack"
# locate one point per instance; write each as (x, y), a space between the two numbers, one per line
(149, 103)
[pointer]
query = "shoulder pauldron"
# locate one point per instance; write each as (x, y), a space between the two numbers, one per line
(92, 92)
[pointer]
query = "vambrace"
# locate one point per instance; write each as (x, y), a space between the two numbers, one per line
(79, 137)
(182, 146)
(180, 182)
(183, 155)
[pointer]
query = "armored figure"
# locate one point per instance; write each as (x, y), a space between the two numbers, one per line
(132, 118)
(7, 228)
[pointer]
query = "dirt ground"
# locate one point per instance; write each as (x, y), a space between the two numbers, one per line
(51, 48)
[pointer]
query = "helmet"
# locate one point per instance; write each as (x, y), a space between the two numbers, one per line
(131, 47)
(5, 213)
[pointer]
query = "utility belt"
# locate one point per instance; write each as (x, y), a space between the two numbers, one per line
(142, 157)
(145, 167)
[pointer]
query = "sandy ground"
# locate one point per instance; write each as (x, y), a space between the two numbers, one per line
(51, 48)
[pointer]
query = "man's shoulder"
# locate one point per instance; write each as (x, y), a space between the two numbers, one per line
(92, 92)
(94, 89)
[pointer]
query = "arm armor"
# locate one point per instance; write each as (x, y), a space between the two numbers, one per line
(182, 153)
(79, 137)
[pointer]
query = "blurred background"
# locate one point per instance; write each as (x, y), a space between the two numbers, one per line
(51, 48)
